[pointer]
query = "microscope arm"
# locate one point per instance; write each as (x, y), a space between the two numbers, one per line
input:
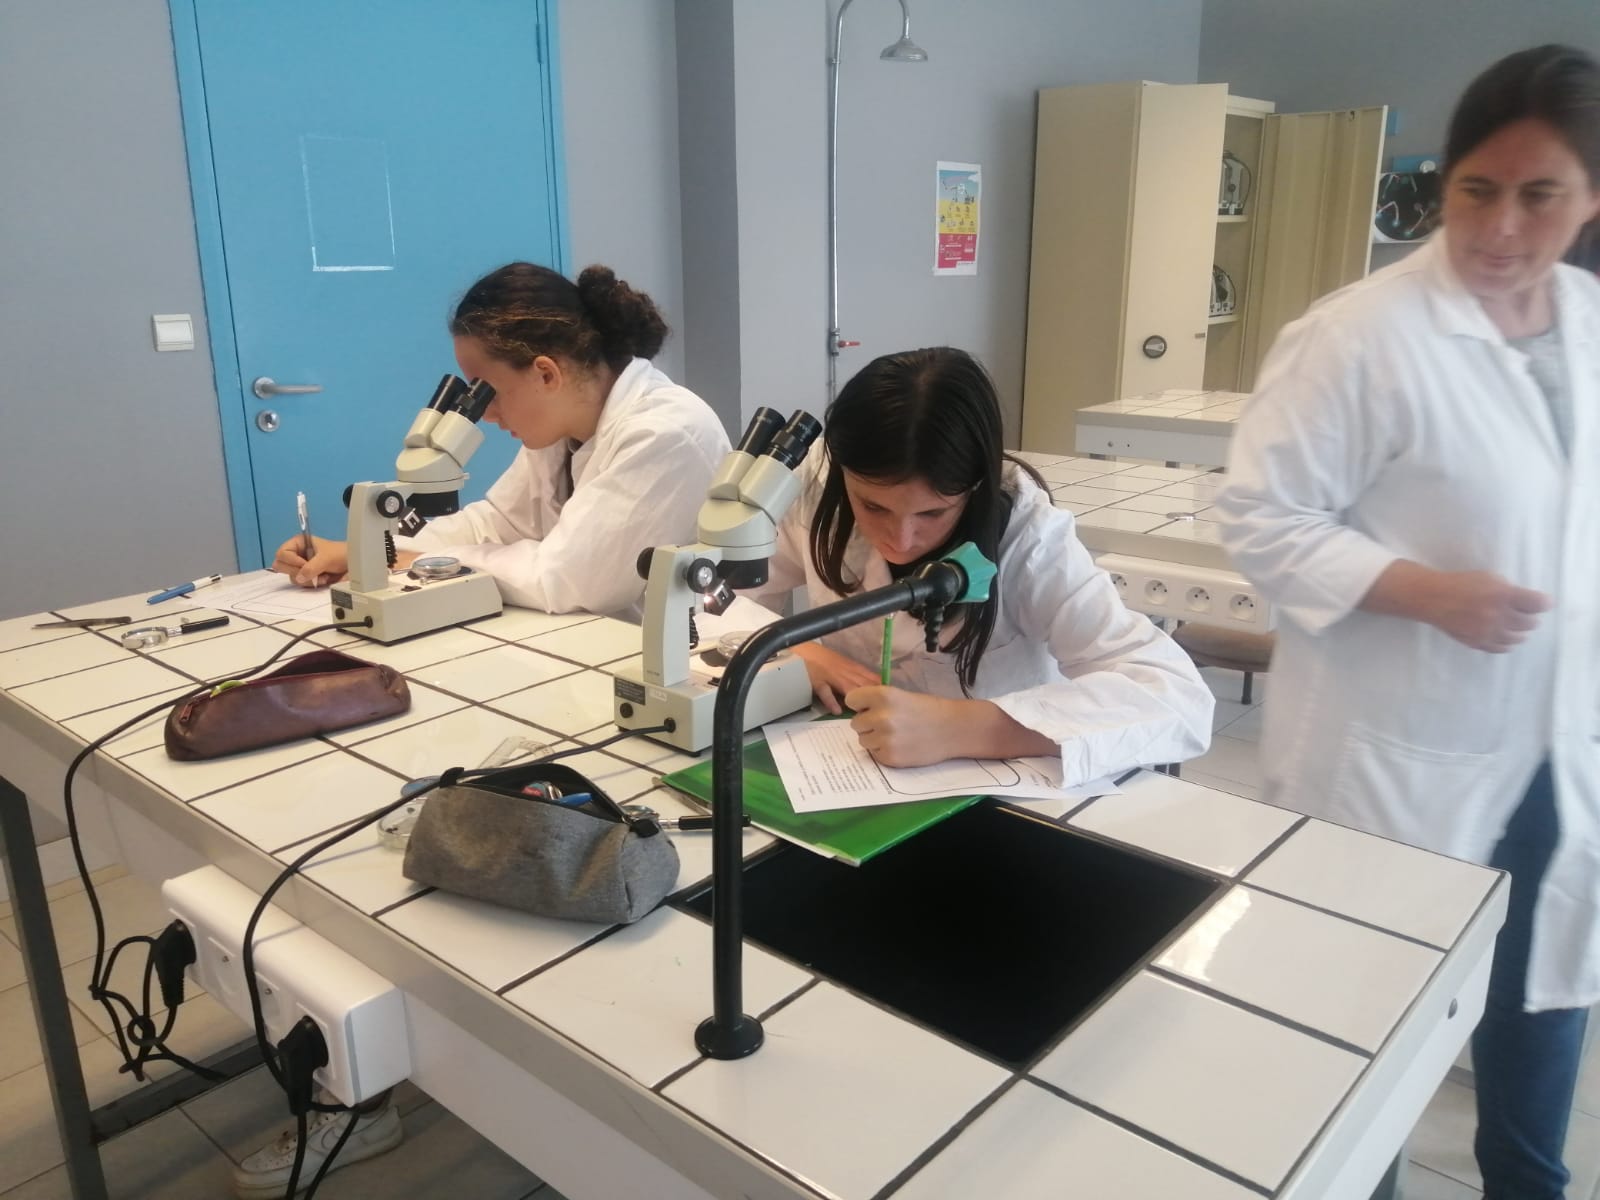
(729, 1032)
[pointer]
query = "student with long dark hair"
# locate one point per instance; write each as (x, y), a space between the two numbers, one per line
(615, 455)
(910, 466)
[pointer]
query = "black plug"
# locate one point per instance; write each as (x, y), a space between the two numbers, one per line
(174, 950)
(302, 1050)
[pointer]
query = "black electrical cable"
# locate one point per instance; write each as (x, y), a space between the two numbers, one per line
(258, 1017)
(140, 1029)
(333, 1153)
(299, 1156)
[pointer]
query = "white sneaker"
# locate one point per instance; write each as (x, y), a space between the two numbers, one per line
(264, 1175)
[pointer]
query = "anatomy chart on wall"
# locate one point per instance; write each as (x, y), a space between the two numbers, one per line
(955, 241)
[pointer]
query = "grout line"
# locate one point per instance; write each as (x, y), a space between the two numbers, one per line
(198, 1128)
(1411, 1165)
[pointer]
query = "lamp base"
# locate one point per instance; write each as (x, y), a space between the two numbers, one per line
(739, 1040)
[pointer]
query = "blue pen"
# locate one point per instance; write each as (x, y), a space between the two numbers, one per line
(183, 589)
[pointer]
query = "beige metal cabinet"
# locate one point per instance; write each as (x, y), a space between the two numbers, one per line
(1319, 180)
(1127, 230)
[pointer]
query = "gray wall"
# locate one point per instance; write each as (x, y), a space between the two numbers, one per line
(973, 101)
(111, 475)
(707, 169)
(619, 83)
(1415, 57)
(781, 125)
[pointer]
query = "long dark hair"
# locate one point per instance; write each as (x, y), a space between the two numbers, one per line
(1559, 85)
(523, 310)
(931, 415)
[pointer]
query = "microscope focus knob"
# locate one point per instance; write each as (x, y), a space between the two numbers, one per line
(390, 503)
(701, 575)
(643, 564)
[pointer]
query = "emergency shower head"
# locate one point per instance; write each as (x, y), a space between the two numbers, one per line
(904, 50)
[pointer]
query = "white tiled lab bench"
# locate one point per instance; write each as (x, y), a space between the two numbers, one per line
(1172, 426)
(1280, 1043)
(1161, 517)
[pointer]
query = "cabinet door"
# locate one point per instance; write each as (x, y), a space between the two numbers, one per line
(1083, 184)
(1176, 170)
(1319, 184)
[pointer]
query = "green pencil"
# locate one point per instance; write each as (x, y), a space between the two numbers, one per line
(888, 645)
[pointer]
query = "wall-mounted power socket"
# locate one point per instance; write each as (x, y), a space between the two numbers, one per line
(1189, 593)
(299, 973)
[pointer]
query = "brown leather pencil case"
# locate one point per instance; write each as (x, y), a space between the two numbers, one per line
(314, 693)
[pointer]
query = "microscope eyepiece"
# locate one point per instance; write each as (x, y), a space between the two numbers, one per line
(758, 435)
(790, 446)
(450, 390)
(476, 401)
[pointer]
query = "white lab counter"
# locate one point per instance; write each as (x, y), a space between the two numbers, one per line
(1282, 1043)
(1150, 524)
(1172, 426)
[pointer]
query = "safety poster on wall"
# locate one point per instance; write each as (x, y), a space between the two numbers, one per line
(957, 187)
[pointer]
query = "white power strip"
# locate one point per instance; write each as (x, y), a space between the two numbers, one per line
(1188, 593)
(299, 973)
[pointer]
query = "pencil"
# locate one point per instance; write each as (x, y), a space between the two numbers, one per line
(888, 645)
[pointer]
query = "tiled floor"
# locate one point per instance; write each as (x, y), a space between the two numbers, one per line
(188, 1153)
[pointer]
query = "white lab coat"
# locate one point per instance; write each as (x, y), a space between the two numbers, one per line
(638, 482)
(1394, 421)
(1066, 659)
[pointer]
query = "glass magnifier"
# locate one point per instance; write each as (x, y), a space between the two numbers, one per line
(147, 636)
(436, 567)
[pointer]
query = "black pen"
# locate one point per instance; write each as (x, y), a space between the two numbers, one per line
(690, 824)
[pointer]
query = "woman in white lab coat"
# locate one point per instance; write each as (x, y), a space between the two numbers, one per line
(615, 458)
(1415, 485)
(910, 466)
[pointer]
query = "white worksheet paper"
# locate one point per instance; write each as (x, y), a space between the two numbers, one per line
(823, 767)
(266, 596)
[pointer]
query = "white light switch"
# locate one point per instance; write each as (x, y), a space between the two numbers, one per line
(173, 331)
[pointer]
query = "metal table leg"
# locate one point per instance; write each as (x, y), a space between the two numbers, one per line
(50, 1010)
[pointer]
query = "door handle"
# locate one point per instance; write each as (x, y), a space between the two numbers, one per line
(265, 388)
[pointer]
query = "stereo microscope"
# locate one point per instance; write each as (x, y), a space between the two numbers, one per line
(738, 530)
(434, 592)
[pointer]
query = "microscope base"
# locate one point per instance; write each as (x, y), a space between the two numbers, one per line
(782, 687)
(397, 613)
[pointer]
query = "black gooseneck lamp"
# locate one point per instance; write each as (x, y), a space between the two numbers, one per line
(961, 577)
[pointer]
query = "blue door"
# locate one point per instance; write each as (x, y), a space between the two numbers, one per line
(356, 164)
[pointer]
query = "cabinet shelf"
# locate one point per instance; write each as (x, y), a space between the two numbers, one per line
(1233, 219)
(1225, 319)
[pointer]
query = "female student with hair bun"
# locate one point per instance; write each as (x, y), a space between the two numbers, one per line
(616, 457)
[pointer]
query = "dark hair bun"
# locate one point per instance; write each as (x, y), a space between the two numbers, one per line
(628, 321)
